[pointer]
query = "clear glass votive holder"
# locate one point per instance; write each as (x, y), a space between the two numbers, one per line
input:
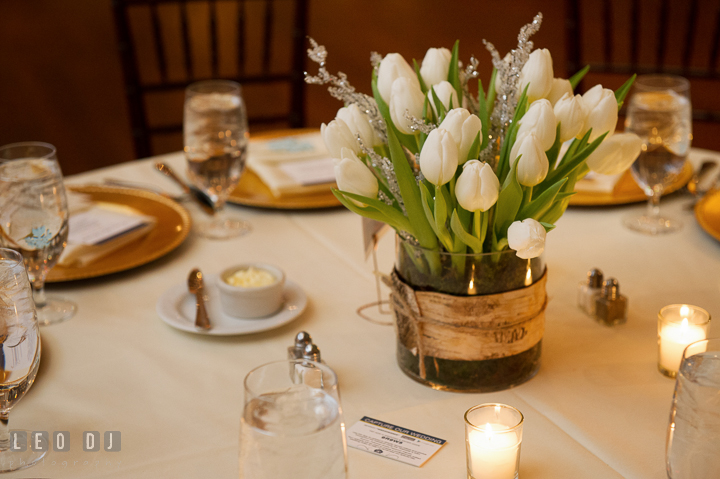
(493, 434)
(678, 326)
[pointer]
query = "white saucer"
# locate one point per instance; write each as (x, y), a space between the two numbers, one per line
(177, 308)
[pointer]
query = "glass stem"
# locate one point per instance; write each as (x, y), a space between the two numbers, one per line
(653, 209)
(39, 294)
(4, 431)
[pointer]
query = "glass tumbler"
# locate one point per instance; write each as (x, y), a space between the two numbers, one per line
(292, 424)
(493, 434)
(659, 112)
(693, 438)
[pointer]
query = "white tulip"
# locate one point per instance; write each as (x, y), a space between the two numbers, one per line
(439, 157)
(533, 163)
(464, 127)
(337, 136)
(538, 72)
(571, 112)
(391, 67)
(616, 154)
(405, 96)
(540, 120)
(560, 87)
(527, 238)
(353, 176)
(358, 123)
(445, 92)
(435, 66)
(477, 187)
(602, 110)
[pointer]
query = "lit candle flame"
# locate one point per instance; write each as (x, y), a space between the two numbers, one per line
(488, 432)
(684, 311)
(684, 327)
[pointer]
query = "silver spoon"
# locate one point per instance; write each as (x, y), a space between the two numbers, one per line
(692, 186)
(197, 287)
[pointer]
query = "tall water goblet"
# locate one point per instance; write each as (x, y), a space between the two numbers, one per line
(19, 356)
(659, 112)
(693, 437)
(34, 218)
(291, 424)
(216, 137)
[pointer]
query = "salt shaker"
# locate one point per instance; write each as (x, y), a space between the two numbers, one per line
(611, 306)
(302, 339)
(589, 290)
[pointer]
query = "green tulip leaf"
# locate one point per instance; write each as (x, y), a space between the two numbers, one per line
(537, 207)
(419, 76)
(508, 203)
(622, 92)
(475, 147)
(394, 217)
(484, 116)
(548, 227)
(441, 111)
(576, 78)
(410, 194)
(474, 243)
(371, 212)
(454, 71)
(554, 150)
(490, 100)
(572, 165)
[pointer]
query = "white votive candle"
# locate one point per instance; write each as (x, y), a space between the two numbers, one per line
(678, 326)
(493, 433)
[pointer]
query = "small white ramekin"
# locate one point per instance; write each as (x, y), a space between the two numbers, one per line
(246, 303)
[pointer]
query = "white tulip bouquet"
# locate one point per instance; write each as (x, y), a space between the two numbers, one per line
(461, 173)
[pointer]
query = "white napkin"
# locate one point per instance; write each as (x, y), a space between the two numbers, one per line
(292, 165)
(100, 230)
(597, 183)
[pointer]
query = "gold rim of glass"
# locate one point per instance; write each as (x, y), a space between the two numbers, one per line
(214, 86)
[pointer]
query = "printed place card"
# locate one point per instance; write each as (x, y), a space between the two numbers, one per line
(310, 172)
(97, 226)
(394, 442)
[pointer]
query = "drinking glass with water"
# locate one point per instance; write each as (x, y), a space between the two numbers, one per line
(659, 112)
(216, 137)
(292, 424)
(19, 354)
(34, 218)
(693, 439)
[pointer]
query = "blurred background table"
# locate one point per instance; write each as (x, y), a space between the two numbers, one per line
(598, 408)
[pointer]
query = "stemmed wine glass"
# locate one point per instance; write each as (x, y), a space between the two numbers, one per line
(19, 355)
(216, 137)
(34, 218)
(660, 114)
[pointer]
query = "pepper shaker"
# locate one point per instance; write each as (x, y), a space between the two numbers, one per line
(611, 306)
(312, 353)
(302, 339)
(589, 290)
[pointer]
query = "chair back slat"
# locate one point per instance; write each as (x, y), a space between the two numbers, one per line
(179, 44)
(690, 36)
(158, 42)
(267, 36)
(661, 36)
(713, 60)
(608, 30)
(634, 33)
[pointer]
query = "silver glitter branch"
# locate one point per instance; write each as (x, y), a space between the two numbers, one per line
(341, 88)
(419, 125)
(388, 172)
(507, 85)
(470, 73)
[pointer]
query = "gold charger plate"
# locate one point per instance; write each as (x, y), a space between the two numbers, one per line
(251, 191)
(627, 191)
(171, 229)
(707, 212)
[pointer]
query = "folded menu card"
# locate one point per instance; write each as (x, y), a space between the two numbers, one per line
(100, 230)
(292, 165)
(597, 183)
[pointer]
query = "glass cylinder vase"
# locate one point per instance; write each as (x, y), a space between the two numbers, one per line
(468, 322)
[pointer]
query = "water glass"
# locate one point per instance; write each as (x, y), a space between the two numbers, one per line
(693, 439)
(292, 424)
(34, 218)
(19, 354)
(216, 137)
(659, 112)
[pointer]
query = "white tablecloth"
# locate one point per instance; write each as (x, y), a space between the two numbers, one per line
(598, 408)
